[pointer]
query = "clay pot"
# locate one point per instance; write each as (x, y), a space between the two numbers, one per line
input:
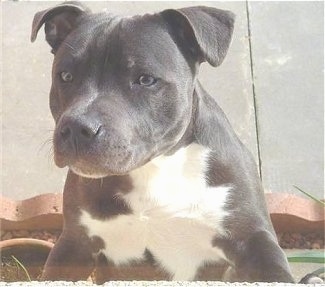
(30, 253)
(289, 213)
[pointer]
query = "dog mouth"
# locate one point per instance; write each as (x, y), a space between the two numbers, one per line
(97, 167)
(104, 154)
(91, 173)
(97, 159)
(88, 173)
(95, 163)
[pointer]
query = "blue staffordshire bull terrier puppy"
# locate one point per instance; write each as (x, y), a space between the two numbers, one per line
(156, 172)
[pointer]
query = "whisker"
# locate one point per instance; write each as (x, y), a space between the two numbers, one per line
(50, 156)
(48, 144)
(49, 141)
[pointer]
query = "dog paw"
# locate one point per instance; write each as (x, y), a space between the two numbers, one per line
(311, 278)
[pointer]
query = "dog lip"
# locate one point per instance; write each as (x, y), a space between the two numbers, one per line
(95, 174)
(60, 162)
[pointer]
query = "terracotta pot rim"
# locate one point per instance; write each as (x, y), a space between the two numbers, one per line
(25, 241)
(289, 212)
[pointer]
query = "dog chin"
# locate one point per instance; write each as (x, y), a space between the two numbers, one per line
(93, 173)
(90, 173)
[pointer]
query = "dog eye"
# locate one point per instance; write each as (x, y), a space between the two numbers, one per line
(146, 80)
(66, 76)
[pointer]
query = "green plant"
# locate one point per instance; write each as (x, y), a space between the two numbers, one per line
(310, 196)
(310, 256)
(20, 265)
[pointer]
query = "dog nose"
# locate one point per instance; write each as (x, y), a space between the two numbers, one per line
(78, 131)
(76, 137)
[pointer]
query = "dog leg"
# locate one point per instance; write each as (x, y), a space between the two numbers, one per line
(69, 260)
(259, 259)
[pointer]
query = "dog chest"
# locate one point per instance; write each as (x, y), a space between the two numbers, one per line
(175, 216)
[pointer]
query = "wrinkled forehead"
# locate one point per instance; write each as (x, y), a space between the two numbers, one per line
(146, 38)
(138, 40)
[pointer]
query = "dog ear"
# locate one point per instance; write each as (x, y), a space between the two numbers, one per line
(59, 22)
(206, 31)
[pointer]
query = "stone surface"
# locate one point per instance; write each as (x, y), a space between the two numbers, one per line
(149, 284)
(288, 61)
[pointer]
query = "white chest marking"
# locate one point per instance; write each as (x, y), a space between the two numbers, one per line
(175, 215)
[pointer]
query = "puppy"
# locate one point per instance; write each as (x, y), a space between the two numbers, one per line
(156, 172)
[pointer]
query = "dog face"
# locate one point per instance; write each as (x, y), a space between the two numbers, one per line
(113, 108)
(122, 88)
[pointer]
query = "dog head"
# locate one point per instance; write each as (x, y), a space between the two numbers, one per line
(122, 88)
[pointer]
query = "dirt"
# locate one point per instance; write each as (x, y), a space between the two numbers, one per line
(312, 240)
(11, 271)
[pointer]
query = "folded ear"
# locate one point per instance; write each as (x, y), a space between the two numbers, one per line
(59, 22)
(206, 31)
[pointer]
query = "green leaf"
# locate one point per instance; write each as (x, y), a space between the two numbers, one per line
(22, 267)
(308, 257)
(311, 196)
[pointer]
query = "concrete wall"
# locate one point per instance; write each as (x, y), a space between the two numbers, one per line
(288, 62)
(285, 107)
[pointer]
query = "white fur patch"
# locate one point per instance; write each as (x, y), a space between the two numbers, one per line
(175, 215)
